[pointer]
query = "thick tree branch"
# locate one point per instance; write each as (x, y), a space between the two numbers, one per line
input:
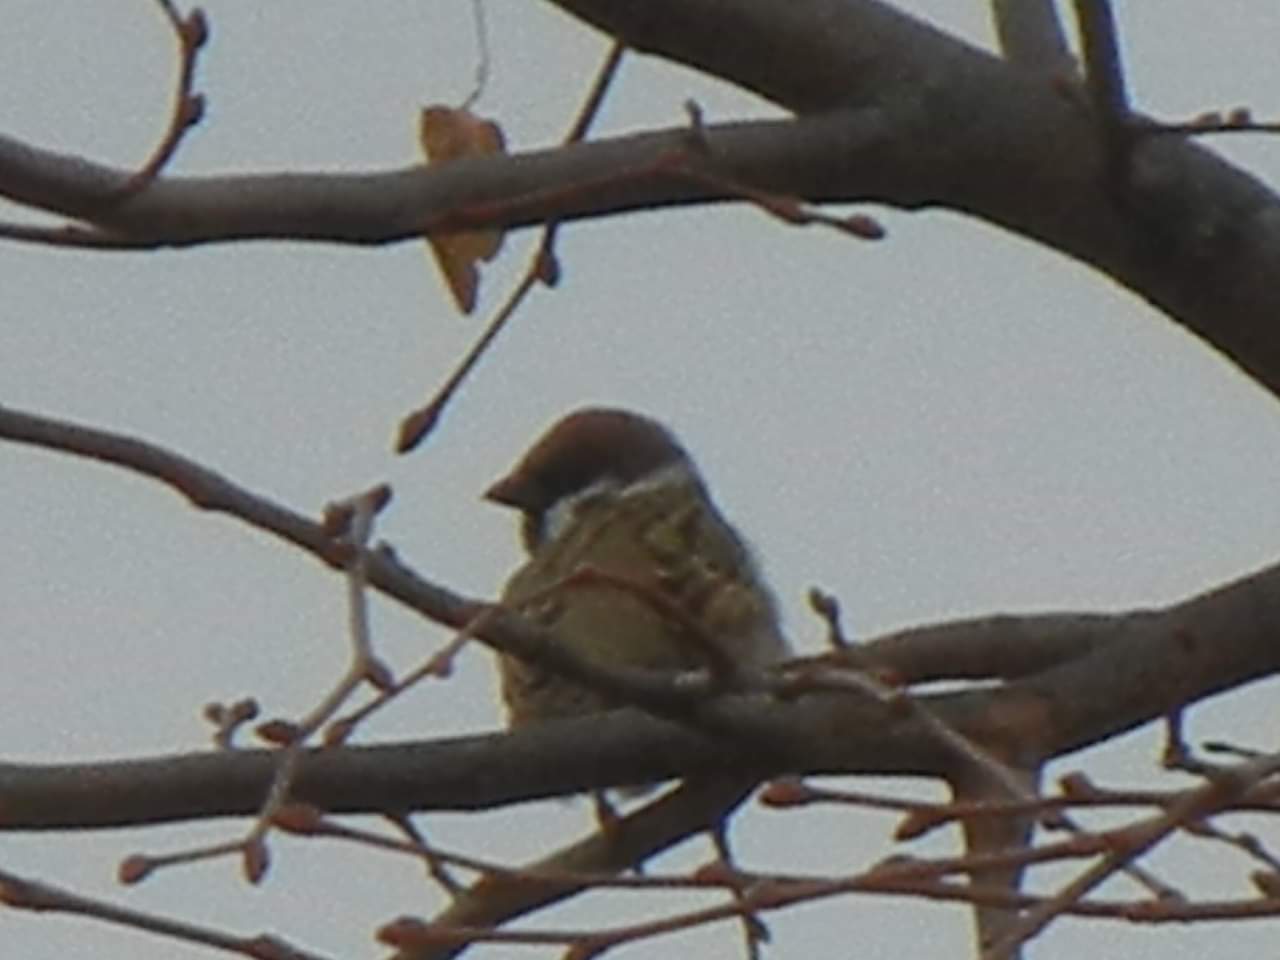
(1128, 669)
(495, 899)
(810, 158)
(1031, 35)
(1196, 237)
(893, 111)
(909, 117)
(1160, 660)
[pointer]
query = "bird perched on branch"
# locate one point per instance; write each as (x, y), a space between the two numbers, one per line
(675, 587)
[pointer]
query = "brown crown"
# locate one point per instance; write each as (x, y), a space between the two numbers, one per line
(587, 446)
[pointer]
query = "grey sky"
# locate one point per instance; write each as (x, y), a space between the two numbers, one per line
(949, 422)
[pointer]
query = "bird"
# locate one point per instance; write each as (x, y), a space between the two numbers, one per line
(614, 491)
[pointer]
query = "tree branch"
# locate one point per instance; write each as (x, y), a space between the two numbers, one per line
(902, 114)
(1129, 669)
(1196, 237)
(1031, 35)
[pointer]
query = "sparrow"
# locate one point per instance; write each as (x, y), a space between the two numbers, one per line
(614, 491)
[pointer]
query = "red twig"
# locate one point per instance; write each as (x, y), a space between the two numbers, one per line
(543, 268)
(192, 32)
(20, 893)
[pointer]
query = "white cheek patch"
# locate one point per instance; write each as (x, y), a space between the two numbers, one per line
(678, 472)
(562, 514)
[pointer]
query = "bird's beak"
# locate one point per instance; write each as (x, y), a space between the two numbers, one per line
(513, 491)
(508, 491)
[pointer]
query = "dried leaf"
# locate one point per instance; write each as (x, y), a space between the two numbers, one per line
(447, 134)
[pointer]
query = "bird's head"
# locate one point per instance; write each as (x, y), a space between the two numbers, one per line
(590, 451)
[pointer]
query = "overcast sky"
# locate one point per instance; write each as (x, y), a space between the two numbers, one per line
(950, 422)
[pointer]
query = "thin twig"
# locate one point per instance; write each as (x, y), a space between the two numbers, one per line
(1235, 121)
(439, 664)
(1031, 35)
(192, 32)
(357, 518)
(362, 667)
(543, 268)
(1104, 76)
(1133, 841)
(21, 893)
(483, 57)
(977, 757)
(754, 930)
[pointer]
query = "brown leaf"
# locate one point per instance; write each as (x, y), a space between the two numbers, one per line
(448, 134)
